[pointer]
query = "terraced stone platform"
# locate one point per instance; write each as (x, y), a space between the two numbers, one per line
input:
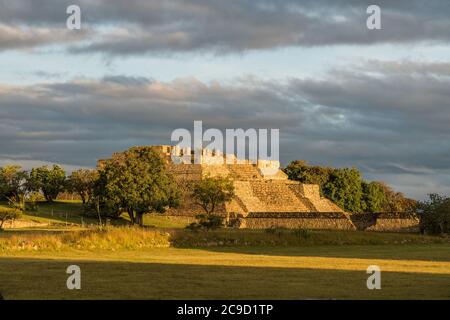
(260, 188)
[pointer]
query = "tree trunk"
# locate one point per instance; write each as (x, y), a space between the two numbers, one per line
(139, 219)
(97, 208)
(131, 214)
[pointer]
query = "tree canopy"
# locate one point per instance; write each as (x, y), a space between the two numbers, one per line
(13, 183)
(82, 182)
(211, 192)
(434, 214)
(347, 189)
(50, 181)
(137, 181)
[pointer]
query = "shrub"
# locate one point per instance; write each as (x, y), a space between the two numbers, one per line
(32, 201)
(206, 222)
(302, 233)
(276, 230)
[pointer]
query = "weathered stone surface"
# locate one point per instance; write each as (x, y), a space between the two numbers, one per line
(386, 221)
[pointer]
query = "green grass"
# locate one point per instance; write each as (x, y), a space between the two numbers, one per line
(164, 261)
(160, 221)
(62, 213)
(327, 272)
(113, 238)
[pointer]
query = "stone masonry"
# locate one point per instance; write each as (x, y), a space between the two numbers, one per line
(264, 196)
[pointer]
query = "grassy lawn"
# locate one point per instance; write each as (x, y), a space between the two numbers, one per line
(62, 213)
(125, 263)
(322, 272)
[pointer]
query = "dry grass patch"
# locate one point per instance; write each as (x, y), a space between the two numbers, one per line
(109, 238)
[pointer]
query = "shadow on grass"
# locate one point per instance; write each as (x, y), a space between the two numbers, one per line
(46, 279)
(339, 244)
(68, 211)
(434, 252)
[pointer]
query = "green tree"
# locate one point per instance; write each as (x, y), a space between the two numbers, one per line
(211, 192)
(83, 182)
(50, 181)
(299, 170)
(345, 189)
(434, 215)
(396, 201)
(137, 181)
(373, 196)
(13, 184)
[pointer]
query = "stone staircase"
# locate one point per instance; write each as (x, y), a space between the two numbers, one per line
(277, 196)
(247, 199)
(244, 172)
(254, 193)
(215, 170)
(186, 172)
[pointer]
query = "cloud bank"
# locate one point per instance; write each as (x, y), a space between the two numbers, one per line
(390, 119)
(139, 27)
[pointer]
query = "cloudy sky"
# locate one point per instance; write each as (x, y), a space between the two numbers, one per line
(341, 95)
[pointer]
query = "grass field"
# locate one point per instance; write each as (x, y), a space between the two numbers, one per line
(419, 272)
(61, 213)
(166, 262)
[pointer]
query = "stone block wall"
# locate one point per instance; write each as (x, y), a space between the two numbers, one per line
(305, 220)
(386, 221)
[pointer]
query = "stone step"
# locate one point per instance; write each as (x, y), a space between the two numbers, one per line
(244, 172)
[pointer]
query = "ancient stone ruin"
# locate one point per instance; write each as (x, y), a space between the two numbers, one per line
(264, 196)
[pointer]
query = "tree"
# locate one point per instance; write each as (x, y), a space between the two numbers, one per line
(137, 181)
(299, 170)
(345, 189)
(8, 214)
(50, 182)
(13, 184)
(209, 193)
(83, 182)
(396, 201)
(434, 215)
(373, 196)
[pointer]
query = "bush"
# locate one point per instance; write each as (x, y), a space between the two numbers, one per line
(276, 230)
(434, 215)
(8, 214)
(282, 231)
(32, 201)
(302, 233)
(206, 222)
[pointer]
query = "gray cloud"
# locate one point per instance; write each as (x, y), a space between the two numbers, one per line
(136, 27)
(388, 119)
(19, 37)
